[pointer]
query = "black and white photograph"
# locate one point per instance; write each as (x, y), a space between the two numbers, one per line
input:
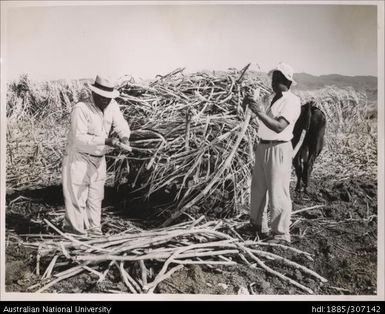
(203, 150)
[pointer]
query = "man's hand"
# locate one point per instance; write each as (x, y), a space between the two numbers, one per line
(126, 141)
(255, 107)
(125, 144)
(256, 94)
(112, 141)
(252, 99)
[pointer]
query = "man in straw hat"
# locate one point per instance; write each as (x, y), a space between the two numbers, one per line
(84, 164)
(273, 157)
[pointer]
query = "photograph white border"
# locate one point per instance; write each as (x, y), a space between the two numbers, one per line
(129, 297)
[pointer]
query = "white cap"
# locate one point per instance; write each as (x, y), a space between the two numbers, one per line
(286, 70)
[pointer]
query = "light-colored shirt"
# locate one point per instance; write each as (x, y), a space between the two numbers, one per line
(90, 127)
(288, 107)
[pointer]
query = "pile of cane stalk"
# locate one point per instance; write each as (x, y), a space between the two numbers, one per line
(192, 135)
(144, 258)
(351, 136)
(38, 118)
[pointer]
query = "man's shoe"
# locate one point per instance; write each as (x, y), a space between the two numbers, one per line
(263, 235)
(274, 240)
(95, 232)
(69, 230)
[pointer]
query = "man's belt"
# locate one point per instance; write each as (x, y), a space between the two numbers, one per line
(97, 156)
(272, 142)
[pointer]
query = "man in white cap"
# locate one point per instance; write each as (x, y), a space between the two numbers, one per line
(84, 164)
(273, 157)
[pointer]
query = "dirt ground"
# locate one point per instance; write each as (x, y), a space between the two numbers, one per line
(342, 235)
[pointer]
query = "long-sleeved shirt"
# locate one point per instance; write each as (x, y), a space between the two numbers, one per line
(288, 107)
(90, 127)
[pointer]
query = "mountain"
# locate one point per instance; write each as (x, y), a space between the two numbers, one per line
(311, 82)
(361, 83)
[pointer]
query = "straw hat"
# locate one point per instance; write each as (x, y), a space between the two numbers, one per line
(103, 87)
(286, 70)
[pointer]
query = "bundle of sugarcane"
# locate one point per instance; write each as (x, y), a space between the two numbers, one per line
(132, 251)
(37, 122)
(191, 134)
(351, 136)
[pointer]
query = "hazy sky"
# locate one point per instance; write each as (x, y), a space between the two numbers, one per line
(145, 40)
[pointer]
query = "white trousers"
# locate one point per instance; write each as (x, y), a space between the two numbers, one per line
(83, 178)
(270, 188)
